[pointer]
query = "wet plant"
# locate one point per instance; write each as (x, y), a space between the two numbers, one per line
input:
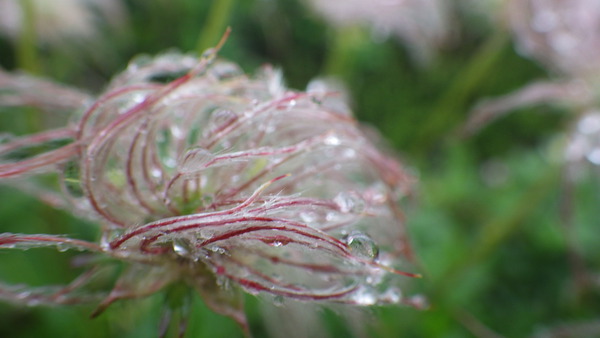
(199, 175)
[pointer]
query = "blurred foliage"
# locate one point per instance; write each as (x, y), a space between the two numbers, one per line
(487, 220)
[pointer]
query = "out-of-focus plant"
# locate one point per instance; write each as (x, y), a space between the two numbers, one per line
(56, 21)
(562, 37)
(481, 9)
(423, 25)
(204, 177)
(57, 25)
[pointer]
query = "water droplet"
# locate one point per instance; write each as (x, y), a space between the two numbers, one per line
(218, 250)
(332, 140)
(418, 301)
(221, 119)
(176, 131)
(375, 275)
(391, 296)
(23, 295)
(268, 128)
(181, 247)
(194, 160)
(364, 296)
(308, 217)
(107, 238)
(225, 70)
(349, 202)
(156, 172)
(349, 153)
(376, 194)
(361, 245)
(318, 86)
(62, 247)
(278, 300)
(291, 104)
(169, 162)
(333, 217)
(137, 98)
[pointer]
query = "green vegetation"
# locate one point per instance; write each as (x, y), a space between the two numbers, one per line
(507, 245)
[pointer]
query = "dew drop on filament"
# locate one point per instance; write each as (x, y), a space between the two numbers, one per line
(195, 159)
(221, 119)
(181, 247)
(332, 140)
(364, 296)
(349, 202)
(308, 217)
(156, 173)
(391, 296)
(362, 246)
(278, 300)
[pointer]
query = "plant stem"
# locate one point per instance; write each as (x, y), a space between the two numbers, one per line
(455, 98)
(27, 57)
(342, 54)
(215, 25)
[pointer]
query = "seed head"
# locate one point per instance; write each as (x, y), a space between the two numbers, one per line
(202, 175)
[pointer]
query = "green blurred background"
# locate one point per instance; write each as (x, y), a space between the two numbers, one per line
(507, 247)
